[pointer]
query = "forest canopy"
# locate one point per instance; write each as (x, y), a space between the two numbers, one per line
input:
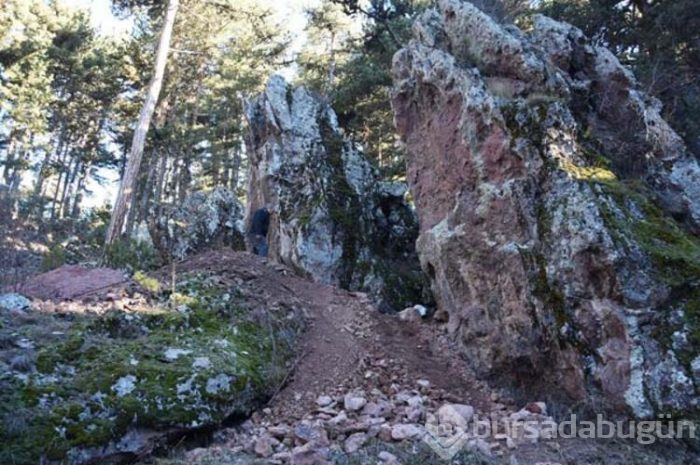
(70, 96)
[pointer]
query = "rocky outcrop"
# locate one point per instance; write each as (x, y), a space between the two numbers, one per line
(557, 210)
(70, 282)
(109, 377)
(204, 220)
(331, 217)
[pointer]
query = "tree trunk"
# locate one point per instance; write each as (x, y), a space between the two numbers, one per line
(63, 169)
(130, 178)
(78, 197)
(9, 158)
(70, 187)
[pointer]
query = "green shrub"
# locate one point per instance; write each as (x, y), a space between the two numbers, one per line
(152, 285)
(54, 258)
(131, 255)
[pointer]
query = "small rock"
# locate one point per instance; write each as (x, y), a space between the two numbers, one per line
(384, 433)
(14, 303)
(403, 396)
(414, 401)
(339, 419)
(354, 442)
(324, 401)
(409, 314)
(220, 382)
(466, 411)
(172, 354)
(510, 443)
(24, 343)
(283, 456)
(201, 362)
(537, 407)
(421, 310)
(264, 446)
(279, 431)
(22, 362)
(402, 431)
(309, 455)
(480, 445)
(388, 458)
(415, 414)
(353, 402)
(695, 368)
(307, 432)
(423, 383)
(381, 408)
(198, 454)
(356, 427)
(124, 385)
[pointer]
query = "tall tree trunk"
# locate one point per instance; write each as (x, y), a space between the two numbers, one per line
(41, 174)
(147, 196)
(331, 65)
(78, 197)
(9, 157)
(21, 160)
(67, 187)
(142, 191)
(160, 179)
(63, 162)
(57, 191)
(126, 188)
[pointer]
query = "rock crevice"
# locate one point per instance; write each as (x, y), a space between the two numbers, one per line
(331, 216)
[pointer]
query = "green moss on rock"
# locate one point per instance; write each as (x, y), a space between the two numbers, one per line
(169, 368)
(674, 253)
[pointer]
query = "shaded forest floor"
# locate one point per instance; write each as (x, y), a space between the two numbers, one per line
(359, 390)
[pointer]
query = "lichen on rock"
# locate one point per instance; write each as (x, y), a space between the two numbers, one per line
(558, 210)
(204, 220)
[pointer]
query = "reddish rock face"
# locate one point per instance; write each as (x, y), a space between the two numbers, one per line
(535, 163)
(71, 282)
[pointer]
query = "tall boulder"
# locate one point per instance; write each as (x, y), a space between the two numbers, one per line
(331, 217)
(557, 209)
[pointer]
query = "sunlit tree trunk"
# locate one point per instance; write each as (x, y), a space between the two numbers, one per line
(129, 181)
(9, 158)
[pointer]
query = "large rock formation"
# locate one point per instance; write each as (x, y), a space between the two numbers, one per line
(203, 221)
(331, 218)
(557, 210)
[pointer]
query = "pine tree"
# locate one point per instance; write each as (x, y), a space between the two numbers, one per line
(128, 184)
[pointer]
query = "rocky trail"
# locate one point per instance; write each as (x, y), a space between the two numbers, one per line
(364, 383)
(348, 343)
(359, 388)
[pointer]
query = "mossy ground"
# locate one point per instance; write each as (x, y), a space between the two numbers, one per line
(71, 399)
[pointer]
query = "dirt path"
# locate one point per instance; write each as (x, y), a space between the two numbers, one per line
(350, 344)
